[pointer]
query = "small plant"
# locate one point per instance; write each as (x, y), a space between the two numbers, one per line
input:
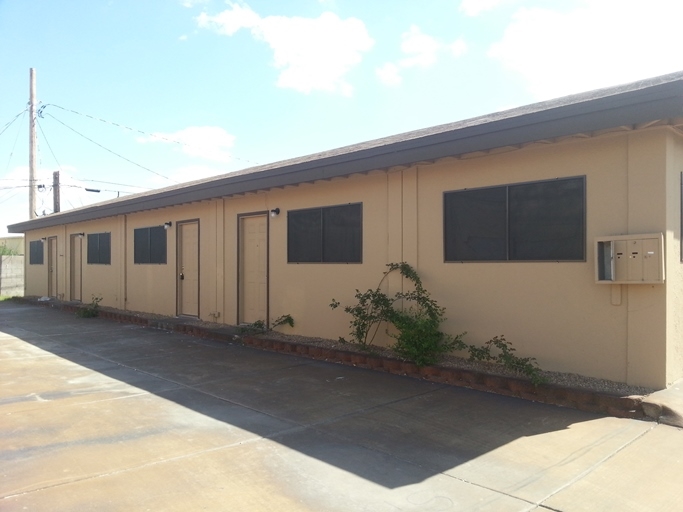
(506, 357)
(419, 338)
(367, 315)
(92, 309)
(260, 327)
(282, 320)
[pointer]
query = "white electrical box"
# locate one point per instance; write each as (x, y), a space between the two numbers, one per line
(630, 259)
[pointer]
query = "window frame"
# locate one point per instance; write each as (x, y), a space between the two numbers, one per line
(507, 221)
(34, 252)
(325, 250)
(102, 259)
(147, 256)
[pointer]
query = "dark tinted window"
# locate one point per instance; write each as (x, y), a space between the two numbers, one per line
(149, 245)
(547, 220)
(475, 224)
(342, 234)
(304, 236)
(36, 251)
(99, 248)
(332, 234)
(540, 221)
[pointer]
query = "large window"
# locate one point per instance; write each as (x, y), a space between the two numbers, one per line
(149, 245)
(99, 248)
(538, 221)
(333, 234)
(36, 251)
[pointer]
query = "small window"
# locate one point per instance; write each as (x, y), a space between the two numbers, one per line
(332, 234)
(99, 249)
(538, 221)
(36, 251)
(149, 245)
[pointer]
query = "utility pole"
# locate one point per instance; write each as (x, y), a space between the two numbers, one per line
(55, 191)
(32, 143)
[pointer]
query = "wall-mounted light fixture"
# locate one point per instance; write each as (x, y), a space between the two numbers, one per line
(167, 225)
(275, 212)
(43, 239)
(80, 235)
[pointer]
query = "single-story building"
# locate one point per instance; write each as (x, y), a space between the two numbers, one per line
(556, 224)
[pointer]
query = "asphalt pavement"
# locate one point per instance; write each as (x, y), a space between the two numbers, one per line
(97, 415)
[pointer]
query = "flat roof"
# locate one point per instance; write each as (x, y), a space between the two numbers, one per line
(634, 103)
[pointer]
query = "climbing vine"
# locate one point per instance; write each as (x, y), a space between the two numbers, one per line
(417, 322)
(417, 336)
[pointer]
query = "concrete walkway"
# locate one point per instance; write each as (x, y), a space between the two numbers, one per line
(96, 415)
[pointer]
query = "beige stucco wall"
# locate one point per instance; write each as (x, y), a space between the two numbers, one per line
(552, 311)
(674, 277)
(306, 290)
(36, 275)
(97, 280)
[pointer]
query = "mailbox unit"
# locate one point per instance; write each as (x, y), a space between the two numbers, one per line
(630, 259)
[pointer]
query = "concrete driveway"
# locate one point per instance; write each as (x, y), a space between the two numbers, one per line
(96, 415)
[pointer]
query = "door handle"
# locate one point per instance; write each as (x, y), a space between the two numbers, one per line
(182, 276)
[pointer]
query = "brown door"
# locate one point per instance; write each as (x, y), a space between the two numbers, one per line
(75, 267)
(253, 269)
(188, 268)
(52, 267)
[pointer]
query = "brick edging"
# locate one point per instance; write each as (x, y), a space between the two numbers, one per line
(584, 400)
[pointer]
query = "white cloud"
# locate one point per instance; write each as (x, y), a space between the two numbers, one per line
(476, 7)
(192, 3)
(208, 142)
(312, 53)
(231, 20)
(596, 44)
(388, 74)
(420, 50)
(194, 172)
(458, 48)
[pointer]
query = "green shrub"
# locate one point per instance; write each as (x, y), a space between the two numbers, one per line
(417, 335)
(260, 327)
(91, 310)
(523, 365)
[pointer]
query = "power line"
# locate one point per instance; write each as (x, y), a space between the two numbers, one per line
(111, 151)
(48, 145)
(9, 123)
(9, 159)
(119, 184)
(59, 167)
(155, 136)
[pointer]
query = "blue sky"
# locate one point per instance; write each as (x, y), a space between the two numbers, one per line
(176, 90)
